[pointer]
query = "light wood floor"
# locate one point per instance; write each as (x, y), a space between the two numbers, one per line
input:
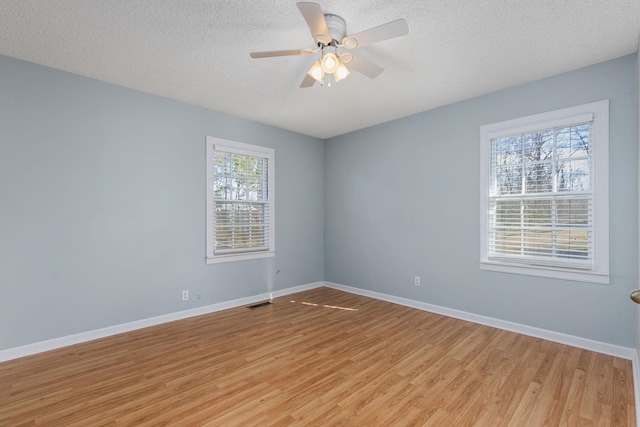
(321, 357)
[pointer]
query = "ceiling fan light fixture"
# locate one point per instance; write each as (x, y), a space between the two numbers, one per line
(330, 63)
(341, 72)
(329, 32)
(316, 71)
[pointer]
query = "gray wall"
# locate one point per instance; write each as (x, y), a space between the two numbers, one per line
(102, 206)
(402, 199)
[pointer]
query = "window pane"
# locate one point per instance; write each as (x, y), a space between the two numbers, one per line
(538, 242)
(573, 175)
(509, 180)
(573, 244)
(538, 213)
(224, 228)
(573, 213)
(573, 142)
(507, 241)
(239, 177)
(508, 151)
(240, 225)
(539, 178)
(508, 213)
(224, 214)
(538, 146)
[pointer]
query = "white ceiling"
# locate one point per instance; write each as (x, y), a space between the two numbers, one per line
(197, 51)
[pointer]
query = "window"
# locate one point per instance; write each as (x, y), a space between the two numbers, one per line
(240, 195)
(544, 194)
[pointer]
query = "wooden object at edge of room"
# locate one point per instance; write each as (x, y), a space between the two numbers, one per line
(320, 357)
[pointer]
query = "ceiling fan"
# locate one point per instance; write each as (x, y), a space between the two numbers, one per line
(334, 45)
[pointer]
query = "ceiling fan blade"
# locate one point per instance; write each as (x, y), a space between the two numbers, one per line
(312, 13)
(382, 32)
(273, 53)
(365, 67)
(308, 81)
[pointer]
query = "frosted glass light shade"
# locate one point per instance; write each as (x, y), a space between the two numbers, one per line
(330, 63)
(341, 72)
(316, 71)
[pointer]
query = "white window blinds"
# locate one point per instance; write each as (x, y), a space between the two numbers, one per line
(240, 202)
(241, 197)
(541, 196)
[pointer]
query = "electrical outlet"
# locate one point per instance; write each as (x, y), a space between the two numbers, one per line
(416, 280)
(197, 295)
(185, 295)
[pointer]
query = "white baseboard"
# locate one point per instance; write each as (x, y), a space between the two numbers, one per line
(600, 347)
(52, 344)
(585, 343)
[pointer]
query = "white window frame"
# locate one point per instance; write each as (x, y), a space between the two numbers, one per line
(599, 146)
(218, 144)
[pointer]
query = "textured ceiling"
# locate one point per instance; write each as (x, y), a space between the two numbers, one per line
(197, 51)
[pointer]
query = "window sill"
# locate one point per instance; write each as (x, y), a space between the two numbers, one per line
(238, 257)
(548, 272)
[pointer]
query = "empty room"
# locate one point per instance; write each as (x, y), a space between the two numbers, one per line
(274, 213)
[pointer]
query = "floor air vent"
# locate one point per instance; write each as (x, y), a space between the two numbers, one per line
(260, 304)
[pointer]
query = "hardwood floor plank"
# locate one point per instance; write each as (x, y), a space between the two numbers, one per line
(320, 357)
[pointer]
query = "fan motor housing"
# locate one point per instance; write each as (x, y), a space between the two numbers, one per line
(337, 27)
